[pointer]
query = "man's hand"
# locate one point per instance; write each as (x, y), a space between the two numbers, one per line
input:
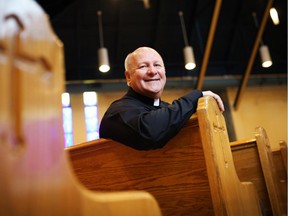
(216, 97)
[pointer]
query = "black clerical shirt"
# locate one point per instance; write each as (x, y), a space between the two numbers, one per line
(134, 120)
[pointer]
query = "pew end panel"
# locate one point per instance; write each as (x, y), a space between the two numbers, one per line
(248, 168)
(36, 176)
(250, 156)
(233, 197)
(277, 189)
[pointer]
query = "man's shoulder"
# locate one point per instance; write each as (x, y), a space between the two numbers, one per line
(125, 102)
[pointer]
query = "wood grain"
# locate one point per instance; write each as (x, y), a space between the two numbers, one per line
(256, 162)
(175, 174)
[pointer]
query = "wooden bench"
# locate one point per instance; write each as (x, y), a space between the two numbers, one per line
(248, 167)
(35, 175)
(193, 174)
(256, 162)
(278, 198)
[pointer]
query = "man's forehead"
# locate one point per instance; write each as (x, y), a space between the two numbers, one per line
(145, 51)
(146, 55)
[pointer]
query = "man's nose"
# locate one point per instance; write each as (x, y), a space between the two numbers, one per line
(152, 70)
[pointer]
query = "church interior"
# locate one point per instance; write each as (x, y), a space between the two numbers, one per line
(53, 95)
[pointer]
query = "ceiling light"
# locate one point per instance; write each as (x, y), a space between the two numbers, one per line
(274, 16)
(187, 50)
(189, 58)
(263, 49)
(103, 59)
(265, 56)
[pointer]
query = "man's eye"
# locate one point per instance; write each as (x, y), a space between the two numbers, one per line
(142, 66)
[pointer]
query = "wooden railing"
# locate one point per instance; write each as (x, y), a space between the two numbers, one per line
(193, 174)
(35, 174)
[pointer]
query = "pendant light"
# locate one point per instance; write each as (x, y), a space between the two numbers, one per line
(263, 49)
(187, 50)
(103, 59)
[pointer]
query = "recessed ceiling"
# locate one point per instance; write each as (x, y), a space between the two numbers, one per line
(128, 24)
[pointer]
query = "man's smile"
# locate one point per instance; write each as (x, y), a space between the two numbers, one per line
(151, 80)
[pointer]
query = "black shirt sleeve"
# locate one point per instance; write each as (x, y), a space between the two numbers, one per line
(144, 126)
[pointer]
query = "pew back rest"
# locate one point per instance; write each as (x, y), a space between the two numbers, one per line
(36, 177)
(175, 174)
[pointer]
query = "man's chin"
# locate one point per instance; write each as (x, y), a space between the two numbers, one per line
(154, 90)
(155, 93)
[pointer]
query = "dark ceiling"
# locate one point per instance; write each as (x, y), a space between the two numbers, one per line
(127, 24)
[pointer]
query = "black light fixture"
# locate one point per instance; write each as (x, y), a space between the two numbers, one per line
(103, 59)
(263, 49)
(187, 50)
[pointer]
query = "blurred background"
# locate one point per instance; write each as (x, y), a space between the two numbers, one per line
(219, 38)
(128, 24)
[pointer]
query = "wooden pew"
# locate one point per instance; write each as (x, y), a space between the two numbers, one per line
(278, 198)
(256, 162)
(248, 168)
(35, 174)
(176, 174)
(233, 197)
(188, 176)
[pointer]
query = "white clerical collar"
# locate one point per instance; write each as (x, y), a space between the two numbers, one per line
(156, 102)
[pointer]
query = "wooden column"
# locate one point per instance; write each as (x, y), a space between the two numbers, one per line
(209, 44)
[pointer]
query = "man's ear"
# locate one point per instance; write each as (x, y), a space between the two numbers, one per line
(128, 77)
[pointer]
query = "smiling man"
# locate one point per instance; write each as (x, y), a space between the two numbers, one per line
(140, 119)
(145, 72)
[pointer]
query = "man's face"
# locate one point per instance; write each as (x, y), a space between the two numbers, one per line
(146, 73)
